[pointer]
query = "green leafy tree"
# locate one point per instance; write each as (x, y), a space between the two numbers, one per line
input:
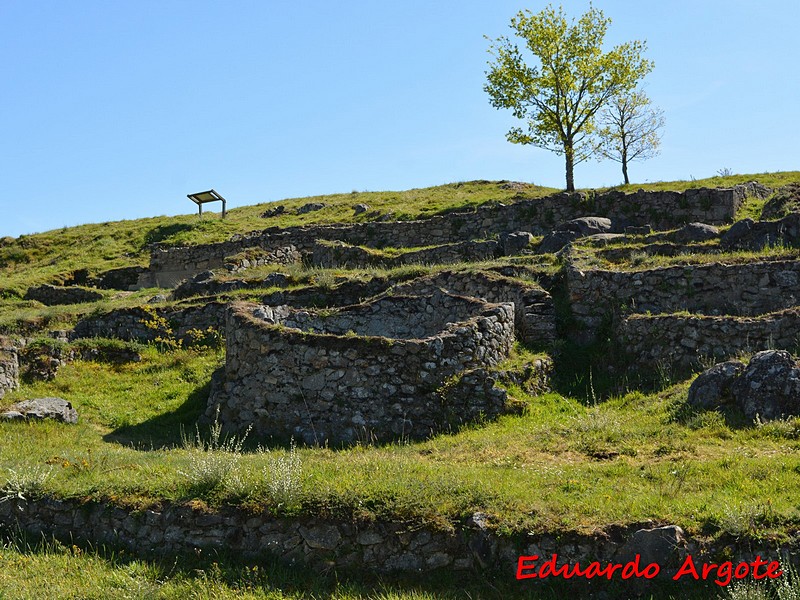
(571, 79)
(630, 129)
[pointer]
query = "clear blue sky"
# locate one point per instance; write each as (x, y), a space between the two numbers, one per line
(114, 110)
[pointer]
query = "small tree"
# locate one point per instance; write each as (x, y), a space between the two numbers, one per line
(560, 96)
(630, 128)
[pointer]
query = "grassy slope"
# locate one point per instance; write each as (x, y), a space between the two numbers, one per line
(565, 464)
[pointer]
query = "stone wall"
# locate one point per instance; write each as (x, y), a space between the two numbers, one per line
(368, 372)
(339, 254)
(247, 259)
(664, 210)
(715, 288)
(52, 295)
(132, 323)
(685, 342)
(534, 313)
(9, 367)
(376, 546)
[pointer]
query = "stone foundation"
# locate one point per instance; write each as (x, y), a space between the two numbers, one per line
(689, 342)
(717, 288)
(368, 372)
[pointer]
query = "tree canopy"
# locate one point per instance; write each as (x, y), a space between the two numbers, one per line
(571, 79)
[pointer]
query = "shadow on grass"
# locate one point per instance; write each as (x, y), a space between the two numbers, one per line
(164, 430)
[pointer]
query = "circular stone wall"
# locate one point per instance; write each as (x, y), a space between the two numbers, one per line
(334, 376)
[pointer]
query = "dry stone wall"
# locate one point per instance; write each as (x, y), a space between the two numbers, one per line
(687, 342)
(367, 372)
(51, 295)
(534, 312)
(375, 546)
(664, 210)
(138, 323)
(716, 288)
(9, 367)
(339, 254)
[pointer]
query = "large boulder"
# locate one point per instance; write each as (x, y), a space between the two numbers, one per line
(756, 235)
(514, 243)
(696, 232)
(767, 388)
(712, 388)
(770, 386)
(587, 226)
(555, 241)
(57, 409)
(570, 231)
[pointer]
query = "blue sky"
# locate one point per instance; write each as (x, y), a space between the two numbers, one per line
(116, 110)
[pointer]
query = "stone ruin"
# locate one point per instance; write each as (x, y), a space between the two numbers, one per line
(9, 367)
(378, 371)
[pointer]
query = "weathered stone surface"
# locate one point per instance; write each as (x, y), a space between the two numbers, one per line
(696, 232)
(9, 367)
(638, 230)
(716, 288)
(324, 537)
(665, 546)
(332, 254)
(769, 388)
(785, 201)
(665, 339)
(359, 209)
(712, 388)
(750, 235)
(514, 243)
(52, 295)
(587, 226)
(555, 241)
(273, 212)
(311, 207)
(57, 409)
(365, 372)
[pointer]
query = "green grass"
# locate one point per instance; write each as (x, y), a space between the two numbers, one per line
(772, 180)
(553, 468)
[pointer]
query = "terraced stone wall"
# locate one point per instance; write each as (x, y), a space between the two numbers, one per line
(139, 324)
(682, 342)
(339, 254)
(662, 210)
(716, 288)
(369, 372)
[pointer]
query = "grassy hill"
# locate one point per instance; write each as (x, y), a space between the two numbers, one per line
(594, 453)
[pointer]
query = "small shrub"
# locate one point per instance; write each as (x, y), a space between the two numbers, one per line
(283, 477)
(211, 461)
(25, 483)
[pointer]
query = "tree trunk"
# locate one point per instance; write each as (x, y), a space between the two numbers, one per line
(569, 157)
(625, 160)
